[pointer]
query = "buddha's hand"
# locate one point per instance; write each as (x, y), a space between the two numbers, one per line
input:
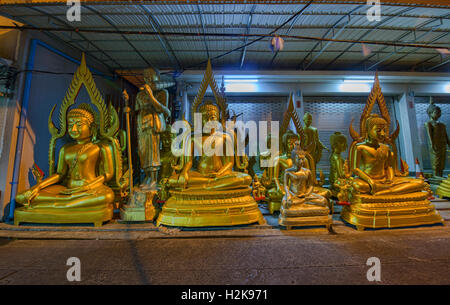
(148, 89)
(183, 179)
(30, 194)
(373, 187)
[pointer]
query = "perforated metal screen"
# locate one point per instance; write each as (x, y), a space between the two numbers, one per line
(421, 105)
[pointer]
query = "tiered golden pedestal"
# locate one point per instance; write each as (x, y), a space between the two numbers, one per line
(443, 189)
(53, 215)
(210, 208)
(305, 215)
(391, 211)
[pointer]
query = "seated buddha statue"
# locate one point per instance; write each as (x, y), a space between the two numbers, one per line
(338, 166)
(373, 164)
(282, 163)
(78, 185)
(206, 191)
(213, 171)
(300, 205)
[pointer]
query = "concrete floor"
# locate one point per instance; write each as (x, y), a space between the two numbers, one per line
(140, 254)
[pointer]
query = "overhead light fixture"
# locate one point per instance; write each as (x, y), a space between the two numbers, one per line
(241, 87)
(354, 87)
(447, 88)
(354, 81)
(242, 80)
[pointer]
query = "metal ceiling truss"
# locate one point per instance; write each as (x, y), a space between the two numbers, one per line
(162, 39)
(294, 21)
(247, 31)
(400, 39)
(81, 35)
(384, 20)
(328, 43)
(203, 29)
(123, 36)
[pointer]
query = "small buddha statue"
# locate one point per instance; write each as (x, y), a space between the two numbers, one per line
(312, 143)
(281, 163)
(299, 183)
(213, 172)
(374, 164)
(167, 158)
(437, 141)
(338, 166)
(300, 205)
(84, 166)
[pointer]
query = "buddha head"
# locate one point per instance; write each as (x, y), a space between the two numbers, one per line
(290, 139)
(298, 156)
(80, 123)
(338, 142)
(434, 112)
(166, 139)
(209, 111)
(151, 77)
(377, 128)
(307, 119)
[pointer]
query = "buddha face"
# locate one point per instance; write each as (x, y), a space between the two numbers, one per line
(79, 128)
(436, 114)
(166, 141)
(378, 132)
(307, 119)
(151, 77)
(341, 146)
(210, 114)
(290, 144)
(299, 159)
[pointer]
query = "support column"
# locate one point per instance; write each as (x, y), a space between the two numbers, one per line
(406, 115)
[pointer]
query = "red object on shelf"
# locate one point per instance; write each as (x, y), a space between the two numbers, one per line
(160, 201)
(260, 198)
(343, 203)
(418, 170)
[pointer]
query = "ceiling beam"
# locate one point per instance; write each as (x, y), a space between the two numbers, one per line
(164, 42)
(79, 34)
(427, 3)
(294, 21)
(415, 39)
(367, 33)
(247, 31)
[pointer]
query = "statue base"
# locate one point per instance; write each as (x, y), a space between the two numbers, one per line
(55, 215)
(140, 206)
(305, 215)
(391, 211)
(201, 208)
(443, 189)
(274, 204)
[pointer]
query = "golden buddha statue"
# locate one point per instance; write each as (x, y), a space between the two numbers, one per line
(167, 158)
(283, 161)
(204, 190)
(151, 104)
(437, 142)
(382, 196)
(300, 205)
(78, 192)
(312, 143)
(215, 171)
(338, 166)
